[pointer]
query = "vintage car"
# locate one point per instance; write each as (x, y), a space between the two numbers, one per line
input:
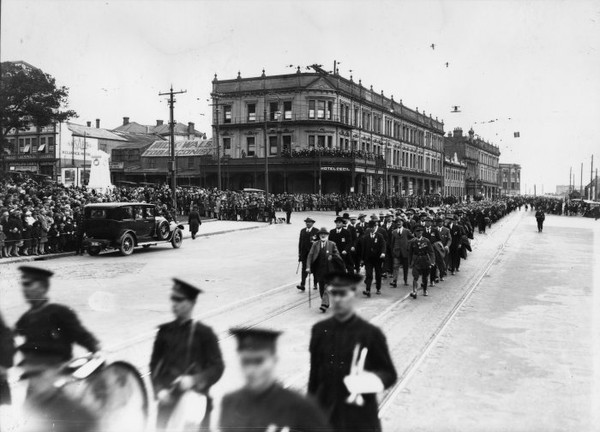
(124, 226)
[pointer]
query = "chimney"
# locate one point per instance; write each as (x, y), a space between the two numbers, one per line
(458, 132)
(471, 133)
(125, 121)
(97, 123)
(191, 129)
(159, 122)
(89, 124)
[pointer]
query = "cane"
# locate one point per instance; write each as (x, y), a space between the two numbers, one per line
(298, 268)
(309, 292)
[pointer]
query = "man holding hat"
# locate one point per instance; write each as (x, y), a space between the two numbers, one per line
(49, 329)
(308, 236)
(336, 345)
(323, 258)
(263, 404)
(421, 258)
(186, 356)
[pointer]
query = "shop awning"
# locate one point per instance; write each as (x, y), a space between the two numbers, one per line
(41, 148)
(26, 149)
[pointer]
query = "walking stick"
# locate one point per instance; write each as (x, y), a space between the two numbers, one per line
(309, 292)
(298, 268)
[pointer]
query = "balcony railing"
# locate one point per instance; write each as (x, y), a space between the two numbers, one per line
(29, 156)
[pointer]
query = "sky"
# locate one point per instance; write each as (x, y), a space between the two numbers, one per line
(531, 66)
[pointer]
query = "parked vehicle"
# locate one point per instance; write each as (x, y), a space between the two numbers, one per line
(123, 226)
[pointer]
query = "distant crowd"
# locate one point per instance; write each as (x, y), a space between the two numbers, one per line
(37, 218)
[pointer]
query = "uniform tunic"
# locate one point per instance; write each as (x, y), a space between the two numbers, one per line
(173, 355)
(331, 349)
(50, 332)
(246, 411)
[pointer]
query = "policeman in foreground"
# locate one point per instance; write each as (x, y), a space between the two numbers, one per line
(349, 361)
(263, 404)
(186, 356)
(49, 329)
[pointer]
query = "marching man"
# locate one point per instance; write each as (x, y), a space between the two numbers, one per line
(349, 361)
(421, 258)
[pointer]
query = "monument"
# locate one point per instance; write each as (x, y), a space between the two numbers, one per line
(100, 173)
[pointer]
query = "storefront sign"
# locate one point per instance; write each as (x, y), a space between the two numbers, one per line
(330, 168)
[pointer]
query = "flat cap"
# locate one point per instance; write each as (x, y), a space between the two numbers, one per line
(185, 289)
(36, 272)
(255, 339)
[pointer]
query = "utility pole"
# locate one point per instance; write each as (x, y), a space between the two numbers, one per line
(597, 191)
(591, 178)
(218, 142)
(581, 182)
(570, 180)
(84, 158)
(173, 162)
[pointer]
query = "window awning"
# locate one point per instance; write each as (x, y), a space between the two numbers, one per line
(26, 149)
(41, 148)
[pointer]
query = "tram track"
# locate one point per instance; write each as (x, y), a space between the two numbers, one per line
(404, 377)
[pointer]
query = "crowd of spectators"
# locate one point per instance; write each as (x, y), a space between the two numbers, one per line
(40, 217)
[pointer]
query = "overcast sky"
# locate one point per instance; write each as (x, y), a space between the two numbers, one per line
(535, 62)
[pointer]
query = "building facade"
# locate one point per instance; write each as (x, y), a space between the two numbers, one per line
(322, 133)
(510, 179)
(482, 160)
(455, 173)
(33, 150)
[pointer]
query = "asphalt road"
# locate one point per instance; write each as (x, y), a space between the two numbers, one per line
(249, 279)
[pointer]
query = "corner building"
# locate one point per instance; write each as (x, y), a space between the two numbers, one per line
(323, 134)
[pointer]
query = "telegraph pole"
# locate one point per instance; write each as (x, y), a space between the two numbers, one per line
(581, 182)
(173, 162)
(591, 178)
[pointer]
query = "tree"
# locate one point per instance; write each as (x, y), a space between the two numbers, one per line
(29, 96)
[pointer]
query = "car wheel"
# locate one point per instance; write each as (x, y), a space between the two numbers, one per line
(127, 244)
(163, 230)
(177, 239)
(94, 250)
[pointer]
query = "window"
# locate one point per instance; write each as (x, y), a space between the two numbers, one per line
(342, 114)
(251, 146)
(287, 143)
(273, 146)
(274, 111)
(287, 110)
(321, 141)
(190, 161)
(329, 110)
(356, 117)
(149, 212)
(226, 113)
(330, 141)
(251, 112)
(347, 114)
(226, 144)
(321, 109)
(152, 163)
(311, 142)
(311, 109)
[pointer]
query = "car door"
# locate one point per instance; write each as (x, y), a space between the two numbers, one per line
(143, 226)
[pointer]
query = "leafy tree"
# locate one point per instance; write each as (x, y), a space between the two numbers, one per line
(30, 96)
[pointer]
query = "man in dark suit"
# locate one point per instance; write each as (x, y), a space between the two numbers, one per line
(456, 231)
(400, 238)
(389, 225)
(332, 346)
(323, 258)
(433, 235)
(185, 357)
(361, 227)
(446, 240)
(308, 236)
(343, 240)
(540, 217)
(372, 253)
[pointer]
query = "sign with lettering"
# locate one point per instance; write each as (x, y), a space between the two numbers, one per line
(331, 168)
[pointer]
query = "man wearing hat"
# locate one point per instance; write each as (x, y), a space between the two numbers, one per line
(308, 236)
(335, 345)
(433, 235)
(401, 236)
(263, 404)
(323, 258)
(446, 240)
(371, 251)
(343, 240)
(421, 258)
(186, 356)
(456, 231)
(389, 226)
(49, 329)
